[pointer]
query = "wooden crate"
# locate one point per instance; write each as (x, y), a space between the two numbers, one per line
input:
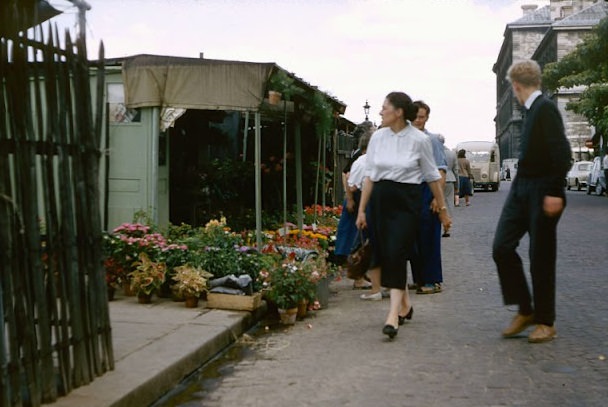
(234, 302)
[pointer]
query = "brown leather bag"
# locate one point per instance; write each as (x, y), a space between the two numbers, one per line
(359, 259)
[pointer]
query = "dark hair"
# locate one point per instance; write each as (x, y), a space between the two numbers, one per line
(366, 137)
(421, 105)
(402, 101)
(462, 153)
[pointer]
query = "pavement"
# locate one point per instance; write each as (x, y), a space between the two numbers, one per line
(450, 354)
(155, 347)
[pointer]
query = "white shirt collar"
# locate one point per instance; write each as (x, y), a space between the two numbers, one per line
(532, 98)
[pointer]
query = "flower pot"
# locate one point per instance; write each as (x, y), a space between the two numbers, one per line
(274, 97)
(191, 302)
(144, 298)
(288, 316)
(111, 292)
(127, 289)
(302, 309)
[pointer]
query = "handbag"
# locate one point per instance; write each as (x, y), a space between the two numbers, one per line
(359, 259)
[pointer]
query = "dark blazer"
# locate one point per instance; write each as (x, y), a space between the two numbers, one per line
(544, 150)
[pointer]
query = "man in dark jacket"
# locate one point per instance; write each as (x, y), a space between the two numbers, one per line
(534, 205)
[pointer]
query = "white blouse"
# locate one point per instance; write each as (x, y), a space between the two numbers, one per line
(357, 172)
(405, 157)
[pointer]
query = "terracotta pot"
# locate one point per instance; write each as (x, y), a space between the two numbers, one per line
(191, 302)
(144, 298)
(127, 289)
(302, 309)
(288, 316)
(274, 97)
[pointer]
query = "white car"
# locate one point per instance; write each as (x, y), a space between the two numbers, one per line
(578, 175)
(597, 180)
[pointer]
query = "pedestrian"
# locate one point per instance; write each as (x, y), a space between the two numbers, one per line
(508, 174)
(465, 177)
(355, 184)
(426, 264)
(451, 186)
(399, 158)
(534, 205)
(347, 233)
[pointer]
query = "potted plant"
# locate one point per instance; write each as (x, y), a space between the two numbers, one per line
(288, 284)
(190, 283)
(147, 277)
(281, 84)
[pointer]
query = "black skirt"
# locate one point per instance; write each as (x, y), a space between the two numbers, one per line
(395, 220)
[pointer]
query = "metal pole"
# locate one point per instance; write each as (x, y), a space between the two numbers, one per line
(284, 166)
(324, 181)
(298, 148)
(245, 134)
(83, 7)
(258, 182)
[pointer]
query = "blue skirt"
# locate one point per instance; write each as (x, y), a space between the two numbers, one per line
(347, 231)
(464, 187)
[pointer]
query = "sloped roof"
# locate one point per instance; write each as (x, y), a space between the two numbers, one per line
(588, 17)
(19, 16)
(540, 16)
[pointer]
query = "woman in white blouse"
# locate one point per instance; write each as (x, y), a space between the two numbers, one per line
(399, 158)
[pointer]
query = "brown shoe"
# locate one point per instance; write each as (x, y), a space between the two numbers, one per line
(542, 333)
(519, 324)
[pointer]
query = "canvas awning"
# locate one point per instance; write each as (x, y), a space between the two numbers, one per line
(194, 83)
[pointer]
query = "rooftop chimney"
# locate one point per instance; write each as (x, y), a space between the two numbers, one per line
(528, 8)
(201, 55)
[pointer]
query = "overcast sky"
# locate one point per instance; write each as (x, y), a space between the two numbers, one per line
(441, 51)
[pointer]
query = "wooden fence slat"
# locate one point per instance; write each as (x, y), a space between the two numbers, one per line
(55, 333)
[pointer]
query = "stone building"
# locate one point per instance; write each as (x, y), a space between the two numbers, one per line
(544, 34)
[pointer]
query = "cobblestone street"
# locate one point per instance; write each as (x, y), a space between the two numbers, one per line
(451, 353)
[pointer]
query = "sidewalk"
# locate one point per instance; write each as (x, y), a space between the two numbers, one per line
(155, 347)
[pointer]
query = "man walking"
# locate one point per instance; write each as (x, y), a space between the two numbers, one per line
(534, 205)
(451, 186)
(426, 264)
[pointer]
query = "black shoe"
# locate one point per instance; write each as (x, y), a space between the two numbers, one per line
(445, 235)
(390, 331)
(408, 316)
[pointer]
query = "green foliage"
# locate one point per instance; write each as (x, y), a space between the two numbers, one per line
(323, 113)
(227, 180)
(190, 281)
(281, 81)
(587, 65)
(148, 275)
(289, 283)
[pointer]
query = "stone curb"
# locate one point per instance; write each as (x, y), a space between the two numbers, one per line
(146, 374)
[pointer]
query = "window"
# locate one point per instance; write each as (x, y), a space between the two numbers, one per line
(118, 112)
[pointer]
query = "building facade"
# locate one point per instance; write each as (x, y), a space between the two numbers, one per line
(544, 34)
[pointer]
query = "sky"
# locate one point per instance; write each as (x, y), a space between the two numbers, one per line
(440, 51)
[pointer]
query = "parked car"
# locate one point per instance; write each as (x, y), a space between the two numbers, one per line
(597, 181)
(578, 174)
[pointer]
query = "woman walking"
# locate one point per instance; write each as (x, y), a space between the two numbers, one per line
(399, 158)
(347, 233)
(355, 184)
(464, 176)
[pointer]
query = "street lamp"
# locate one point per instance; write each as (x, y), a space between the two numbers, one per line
(366, 110)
